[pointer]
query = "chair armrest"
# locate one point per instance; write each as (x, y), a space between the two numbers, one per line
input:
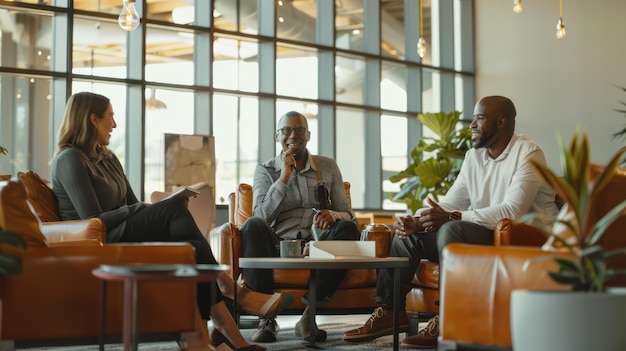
(510, 233)
(86, 242)
(87, 229)
(57, 295)
(476, 283)
(226, 242)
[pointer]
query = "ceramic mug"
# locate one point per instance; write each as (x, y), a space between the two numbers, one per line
(290, 248)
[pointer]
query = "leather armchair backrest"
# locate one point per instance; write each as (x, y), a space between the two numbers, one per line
(240, 204)
(40, 196)
(17, 215)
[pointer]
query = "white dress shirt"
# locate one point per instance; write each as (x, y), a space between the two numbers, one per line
(488, 190)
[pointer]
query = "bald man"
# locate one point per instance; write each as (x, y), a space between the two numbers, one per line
(497, 180)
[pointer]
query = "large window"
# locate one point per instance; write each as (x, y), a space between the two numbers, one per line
(231, 68)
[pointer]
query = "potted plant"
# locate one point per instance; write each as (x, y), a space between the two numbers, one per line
(622, 132)
(585, 316)
(436, 160)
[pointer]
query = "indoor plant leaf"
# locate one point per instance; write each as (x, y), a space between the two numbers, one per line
(436, 161)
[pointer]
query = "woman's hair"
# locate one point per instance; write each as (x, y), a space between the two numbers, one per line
(76, 129)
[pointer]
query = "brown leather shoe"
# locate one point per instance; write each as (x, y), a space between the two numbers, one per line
(262, 305)
(380, 323)
(425, 338)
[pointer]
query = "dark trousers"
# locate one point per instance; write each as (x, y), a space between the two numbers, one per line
(425, 246)
(259, 240)
(170, 221)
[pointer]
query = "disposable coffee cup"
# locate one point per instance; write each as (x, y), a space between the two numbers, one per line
(290, 248)
(381, 235)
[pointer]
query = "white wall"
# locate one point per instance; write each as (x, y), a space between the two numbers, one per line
(556, 85)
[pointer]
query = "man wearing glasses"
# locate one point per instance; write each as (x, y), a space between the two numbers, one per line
(286, 190)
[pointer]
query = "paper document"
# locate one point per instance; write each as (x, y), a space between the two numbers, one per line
(184, 193)
(342, 249)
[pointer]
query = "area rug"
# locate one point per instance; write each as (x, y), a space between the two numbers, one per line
(286, 341)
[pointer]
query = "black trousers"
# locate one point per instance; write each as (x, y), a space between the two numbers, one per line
(425, 246)
(259, 240)
(170, 221)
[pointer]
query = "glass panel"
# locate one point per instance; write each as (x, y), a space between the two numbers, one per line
(393, 143)
(225, 15)
(427, 32)
(99, 48)
(392, 29)
(350, 126)
(236, 128)
(169, 56)
(431, 98)
(167, 111)
(393, 87)
(235, 65)
(296, 72)
(117, 95)
(349, 79)
(349, 25)
(113, 7)
(179, 12)
(295, 20)
(25, 109)
(25, 39)
(309, 111)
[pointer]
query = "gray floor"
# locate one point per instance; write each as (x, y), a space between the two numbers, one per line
(335, 325)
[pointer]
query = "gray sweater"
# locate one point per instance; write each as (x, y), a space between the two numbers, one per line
(93, 188)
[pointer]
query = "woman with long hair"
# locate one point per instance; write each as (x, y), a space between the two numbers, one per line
(88, 181)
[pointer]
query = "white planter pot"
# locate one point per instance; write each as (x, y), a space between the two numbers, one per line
(566, 320)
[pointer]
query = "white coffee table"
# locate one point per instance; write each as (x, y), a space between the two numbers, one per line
(314, 264)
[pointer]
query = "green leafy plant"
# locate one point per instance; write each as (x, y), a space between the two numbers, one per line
(436, 161)
(4, 151)
(10, 264)
(586, 270)
(622, 132)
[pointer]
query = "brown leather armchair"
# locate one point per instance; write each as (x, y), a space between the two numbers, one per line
(56, 299)
(356, 292)
(477, 280)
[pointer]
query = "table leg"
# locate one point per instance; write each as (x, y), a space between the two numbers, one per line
(396, 303)
(310, 344)
(103, 302)
(130, 315)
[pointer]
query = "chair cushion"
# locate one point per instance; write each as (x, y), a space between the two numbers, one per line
(17, 215)
(40, 196)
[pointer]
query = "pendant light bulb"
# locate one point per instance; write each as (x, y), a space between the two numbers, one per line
(129, 18)
(517, 6)
(560, 29)
(421, 47)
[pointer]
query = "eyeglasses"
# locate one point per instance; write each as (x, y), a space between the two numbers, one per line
(288, 130)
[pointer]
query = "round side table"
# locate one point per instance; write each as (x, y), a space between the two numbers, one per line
(133, 274)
